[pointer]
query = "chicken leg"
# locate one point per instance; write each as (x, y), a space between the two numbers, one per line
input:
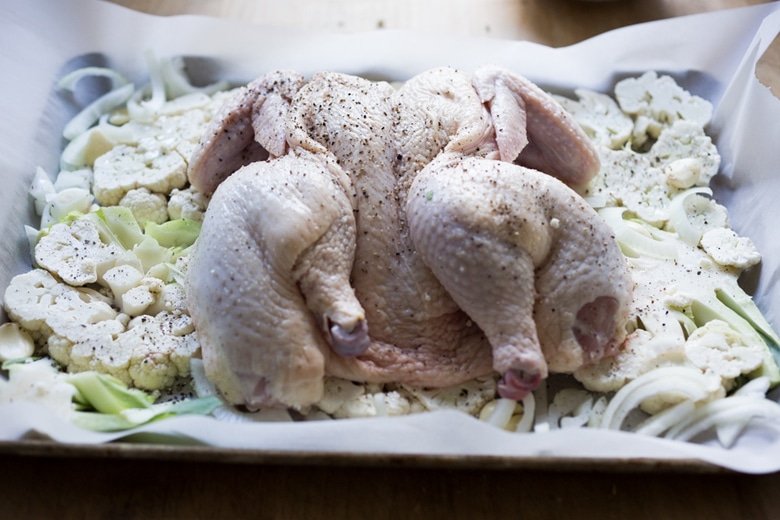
(273, 262)
(532, 264)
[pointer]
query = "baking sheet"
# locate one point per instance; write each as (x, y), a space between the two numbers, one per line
(713, 55)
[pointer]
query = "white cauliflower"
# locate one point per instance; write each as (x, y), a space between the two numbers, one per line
(133, 291)
(36, 299)
(187, 203)
(600, 116)
(645, 183)
(344, 399)
(656, 102)
(105, 295)
(717, 348)
(683, 173)
(154, 154)
(81, 330)
(183, 129)
(146, 206)
(150, 165)
(75, 252)
(39, 382)
(729, 249)
(686, 140)
(161, 347)
(628, 179)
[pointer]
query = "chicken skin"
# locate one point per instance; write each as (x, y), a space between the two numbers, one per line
(398, 236)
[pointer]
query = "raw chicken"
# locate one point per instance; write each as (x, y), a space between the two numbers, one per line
(395, 236)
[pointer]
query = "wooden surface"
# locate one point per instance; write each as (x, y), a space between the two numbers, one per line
(98, 484)
(552, 22)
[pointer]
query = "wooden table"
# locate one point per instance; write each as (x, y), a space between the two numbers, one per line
(112, 484)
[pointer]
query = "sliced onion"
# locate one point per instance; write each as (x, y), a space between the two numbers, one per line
(156, 81)
(526, 423)
(502, 412)
(41, 190)
(580, 415)
(735, 409)
(678, 217)
(82, 151)
(69, 81)
(597, 412)
(686, 381)
(728, 432)
(90, 114)
(178, 84)
(661, 422)
(757, 387)
(542, 421)
(137, 109)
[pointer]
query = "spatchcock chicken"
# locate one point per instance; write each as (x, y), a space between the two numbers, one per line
(424, 235)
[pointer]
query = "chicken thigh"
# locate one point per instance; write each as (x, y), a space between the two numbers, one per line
(395, 236)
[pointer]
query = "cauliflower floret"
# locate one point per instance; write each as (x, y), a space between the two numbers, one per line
(81, 347)
(683, 173)
(345, 399)
(39, 382)
(161, 347)
(75, 253)
(656, 102)
(337, 392)
(35, 298)
(729, 249)
(600, 116)
(645, 183)
(121, 279)
(137, 300)
(640, 353)
(80, 329)
(150, 164)
(628, 179)
(188, 203)
(183, 130)
(692, 214)
(717, 348)
(171, 298)
(134, 292)
(146, 206)
(686, 140)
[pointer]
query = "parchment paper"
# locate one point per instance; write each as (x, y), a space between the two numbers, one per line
(713, 55)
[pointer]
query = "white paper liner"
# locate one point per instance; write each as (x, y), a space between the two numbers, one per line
(713, 55)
